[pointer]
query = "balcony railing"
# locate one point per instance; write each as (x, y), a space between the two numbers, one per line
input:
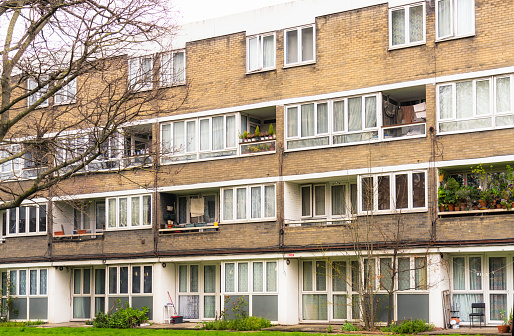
(189, 228)
(417, 129)
(318, 222)
(77, 235)
(257, 147)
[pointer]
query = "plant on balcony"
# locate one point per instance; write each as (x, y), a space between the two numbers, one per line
(271, 131)
(451, 186)
(257, 132)
(463, 197)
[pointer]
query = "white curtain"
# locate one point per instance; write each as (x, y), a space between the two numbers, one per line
(122, 211)
(321, 278)
(242, 276)
(217, 133)
(182, 278)
(340, 307)
(258, 272)
(355, 114)
(231, 131)
(271, 276)
(307, 275)
(475, 273)
(268, 51)
(179, 67)
(483, 97)
(339, 116)
(135, 210)
(256, 202)
(241, 203)
(497, 273)
(209, 306)
(291, 46)
(166, 139)
(22, 290)
(165, 74)
(269, 201)
(403, 273)
(444, 18)
(307, 44)
(191, 137)
(464, 99)
(398, 26)
(229, 277)
(228, 204)
(307, 120)
(322, 111)
(498, 307)
(33, 282)
(253, 53)
(204, 135)
(445, 102)
(459, 273)
(112, 212)
(503, 94)
(462, 302)
(416, 23)
(339, 276)
(189, 306)
(371, 112)
(292, 121)
(315, 307)
(193, 278)
(319, 200)
(81, 307)
(147, 206)
(465, 16)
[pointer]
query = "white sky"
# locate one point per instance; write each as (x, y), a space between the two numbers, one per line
(197, 10)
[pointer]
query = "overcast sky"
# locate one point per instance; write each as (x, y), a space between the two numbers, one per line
(196, 10)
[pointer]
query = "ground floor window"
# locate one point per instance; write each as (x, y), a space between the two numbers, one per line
(198, 291)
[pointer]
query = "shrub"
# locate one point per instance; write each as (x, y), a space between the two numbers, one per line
(411, 327)
(241, 322)
(349, 327)
(122, 318)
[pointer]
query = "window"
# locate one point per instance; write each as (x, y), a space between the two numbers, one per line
(455, 18)
(202, 138)
(467, 278)
(476, 104)
(25, 282)
(248, 202)
(198, 209)
(299, 45)
(10, 169)
(32, 99)
(140, 73)
(133, 279)
(393, 192)
(173, 68)
(67, 93)
(335, 122)
(197, 286)
(251, 277)
(407, 25)
(260, 52)
(129, 211)
(25, 220)
(326, 200)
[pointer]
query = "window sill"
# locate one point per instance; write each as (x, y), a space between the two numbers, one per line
(251, 72)
(25, 235)
(248, 221)
(319, 222)
(79, 237)
(293, 65)
(116, 229)
(404, 46)
(164, 86)
(451, 38)
(69, 102)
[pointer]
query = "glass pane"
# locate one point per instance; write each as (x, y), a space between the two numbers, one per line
(321, 278)
(503, 94)
(22, 220)
(307, 275)
(444, 21)
(135, 211)
(77, 276)
(12, 220)
(339, 276)
(420, 275)
(338, 200)
(483, 97)
(191, 137)
(271, 276)
(124, 280)
(498, 306)
(384, 193)
(147, 210)
(86, 282)
(339, 116)
(307, 120)
(356, 275)
(136, 279)
(32, 219)
(242, 284)
(182, 278)
(402, 197)
(43, 281)
(459, 273)
(445, 102)
(269, 201)
(322, 115)
(241, 203)
(217, 133)
(122, 202)
(253, 53)
(340, 309)
(497, 273)
(355, 114)
(204, 135)
(258, 273)
(100, 281)
(306, 201)
(464, 16)
(398, 26)
(369, 273)
(13, 278)
(256, 202)
(307, 44)
(268, 51)
(42, 218)
(112, 212)
(193, 286)
(113, 280)
(33, 282)
(463, 303)
(81, 307)
(22, 288)
(209, 307)
(228, 204)
(319, 200)
(291, 46)
(464, 99)
(367, 194)
(100, 215)
(231, 131)
(209, 213)
(147, 279)
(315, 307)
(418, 190)
(371, 112)
(386, 274)
(403, 273)
(209, 279)
(292, 122)
(179, 137)
(229, 277)
(179, 69)
(416, 23)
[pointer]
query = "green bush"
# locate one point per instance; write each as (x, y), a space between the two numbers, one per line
(349, 327)
(122, 318)
(247, 323)
(410, 327)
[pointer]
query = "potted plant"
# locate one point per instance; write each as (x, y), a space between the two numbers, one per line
(451, 188)
(257, 132)
(245, 136)
(463, 197)
(504, 328)
(441, 195)
(271, 132)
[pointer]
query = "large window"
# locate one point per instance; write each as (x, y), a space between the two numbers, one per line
(67, 93)
(198, 209)
(25, 220)
(407, 25)
(327, 200)
(201, 138)
(455, 18)
(173, 68)
(197, 291)
(130, 279)
(300, 45)
(248, 202)
(32, 99)
(335, 122)
(476, 104)
(140, 73)
(260, 52)
(129, 211)
(401, 191)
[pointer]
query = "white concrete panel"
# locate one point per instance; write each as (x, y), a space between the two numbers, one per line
(288, 294)
(163, 282)
(438, 281)
(59, 295)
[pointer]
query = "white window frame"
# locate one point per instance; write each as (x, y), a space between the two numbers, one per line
(26, 207)
(406, 9)
(188, 206)
(167, 74)
(129, 212)
(32, 99)
(492, 104)
(453, 22)
(392, 193)
(300, 46)
(67, 94)
(13, 168)
(137, 80)
(129, 293)
(328, 201)
(260, 52)
(248, 204)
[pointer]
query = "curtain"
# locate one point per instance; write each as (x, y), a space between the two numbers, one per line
(217, 133)
(271, 276)
(444, 24)
(418, 190)
(209, 276)
(231, 131)
(147, 279)
(307, 44)
(416, 23)
(291, 46)
(193, 278)
(269, 201)
(464, 99)
(398, 26)
(462, 303)
(241, 203)
(209, 306)
(147, 207)
(179, 67)
(242, 277)
(483, 97)
(146, 75)
(402, 197)
(253, 53)
(77, 275)
(386, 272)
(136, 279)
(13, 277)
(384, 193)
(258, 273)
(497, 273)
(339, 116)
(445, 102)
(459, 272)
(307, 123)
(465, 16)
(166, 139)
(498, 308)
(133, 69)
(475, 273)
(135, 218)
(420, 274)
(268, 51)
(403, 273)
(292, 122)
(319, 200)
(314, 307)
(124, 280)
(22, 289)
(371, 112)
(354, 114)
(229, 277)
(81, 307)
(165, 74)
(339, 276)
(338, 200)
(182, 278)
(307, 275)
(179, 146)
(503, 94)
(321, 276)
(191, 136)
(33, 282)
(228, 204)
(113, 280)
(204, 135)
(322, 114)
(122, 211)
(189, 306)
(100, 281)
(256, 202)
(340, 309)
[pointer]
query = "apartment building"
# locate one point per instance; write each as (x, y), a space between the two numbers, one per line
(365, 110)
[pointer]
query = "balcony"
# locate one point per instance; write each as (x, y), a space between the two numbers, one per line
(190, 228)
(319, 222)
(260, 145)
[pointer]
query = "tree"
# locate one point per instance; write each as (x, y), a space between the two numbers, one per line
(64, 88)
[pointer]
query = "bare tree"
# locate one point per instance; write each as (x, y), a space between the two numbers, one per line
(65, 92)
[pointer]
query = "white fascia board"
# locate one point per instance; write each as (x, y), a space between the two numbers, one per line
(352, 253)
(219, 184)
(476, 74)
(221, 257)
(475, 161)
(102, 194)
(482, 248)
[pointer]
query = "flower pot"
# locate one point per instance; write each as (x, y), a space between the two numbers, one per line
(58, 233)
(503, 329)
(81, 231)
(441, 208)
(456, 208)
(463, 207)
(482, 204)
(498, 206)
(451, 207)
